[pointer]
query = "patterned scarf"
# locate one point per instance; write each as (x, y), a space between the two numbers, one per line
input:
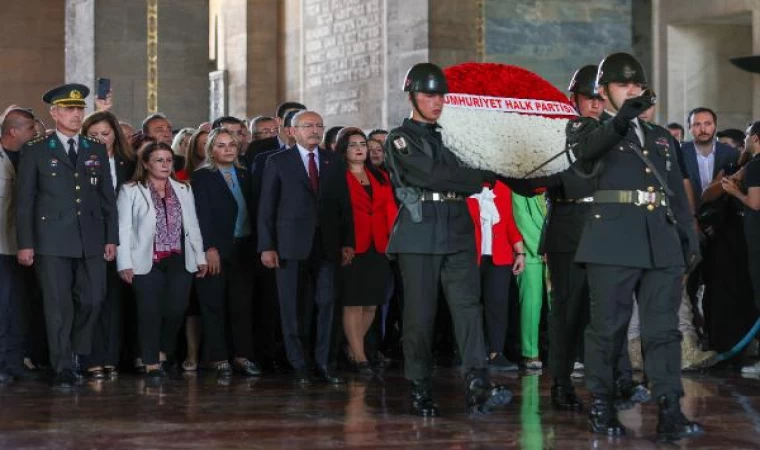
(168, 222)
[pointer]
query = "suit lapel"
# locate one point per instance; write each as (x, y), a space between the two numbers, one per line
(294, 156)
(219, 177)
(56, 148)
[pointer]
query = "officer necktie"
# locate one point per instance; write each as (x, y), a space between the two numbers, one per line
(313, 174)
(72, 152)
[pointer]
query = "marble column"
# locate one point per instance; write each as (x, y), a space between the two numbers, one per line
(107, 38)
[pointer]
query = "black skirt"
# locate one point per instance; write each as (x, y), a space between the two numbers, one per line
(366, 279)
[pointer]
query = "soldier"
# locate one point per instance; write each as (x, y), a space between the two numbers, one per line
(67, 227)
(567, 214)
(638, 240)
(434, 240)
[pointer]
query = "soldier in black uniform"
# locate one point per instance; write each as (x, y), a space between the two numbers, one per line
(569, 207)
(434, 240)
(67, 227)
(638, 239)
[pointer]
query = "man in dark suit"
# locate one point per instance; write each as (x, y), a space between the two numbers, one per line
(704, 157)
(305, 225)
(67, 226)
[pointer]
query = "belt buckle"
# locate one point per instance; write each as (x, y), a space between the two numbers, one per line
(450, 195)
(646, 198)
(436, 197)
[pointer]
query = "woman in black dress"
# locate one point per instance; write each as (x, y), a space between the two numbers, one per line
(366, 279)
(750, 198)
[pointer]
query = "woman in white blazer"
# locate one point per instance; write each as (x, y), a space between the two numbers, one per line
(160, 247)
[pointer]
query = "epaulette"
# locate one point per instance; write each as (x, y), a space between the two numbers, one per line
(92, 139)
(36, 140)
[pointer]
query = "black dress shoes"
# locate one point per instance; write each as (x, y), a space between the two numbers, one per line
(301, 377)
(564, 398)
(155, 374)
(672, 424)
(602, 418)
(325, 375)
(422, 399)
(482, 395)
(111, 372)
(97, 374)
(247, 368)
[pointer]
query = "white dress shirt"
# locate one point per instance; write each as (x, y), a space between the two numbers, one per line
(65, 140)
(706, 166)
(489, 216)
(305, 157)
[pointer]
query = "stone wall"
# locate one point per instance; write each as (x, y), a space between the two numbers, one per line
(31, 48)
(555, 37)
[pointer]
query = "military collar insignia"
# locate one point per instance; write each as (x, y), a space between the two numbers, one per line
(52, 143)
(85, 143)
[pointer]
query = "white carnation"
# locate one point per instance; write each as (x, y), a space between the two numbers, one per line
(509, 144)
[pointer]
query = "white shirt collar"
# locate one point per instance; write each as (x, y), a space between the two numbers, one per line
(65, 140)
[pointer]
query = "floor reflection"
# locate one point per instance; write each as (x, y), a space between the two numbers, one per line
(196, 411)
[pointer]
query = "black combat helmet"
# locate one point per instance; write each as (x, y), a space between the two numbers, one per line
(620, 68)
(427, 78)
(584, 82)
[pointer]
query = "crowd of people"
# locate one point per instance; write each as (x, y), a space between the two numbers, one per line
(275, 245)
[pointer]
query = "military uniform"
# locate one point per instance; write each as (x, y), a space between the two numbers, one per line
(440, 248)
(67, 214)
(633, 245)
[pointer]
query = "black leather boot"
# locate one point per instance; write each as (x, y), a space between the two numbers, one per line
(482, 395)
(629, 393)
(564, 398)
(422, 399)
(672, 424)
(602, 418)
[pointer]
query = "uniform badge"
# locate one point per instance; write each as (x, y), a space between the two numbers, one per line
(53, 163)
(400, 144)
(51, 143)
(577, 125)
(663, 142)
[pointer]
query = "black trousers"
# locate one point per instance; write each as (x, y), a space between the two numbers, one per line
(458, 274)
(296, 310)
(267, 324)
(494, 282)
(229, 296)
(161, 296)
(106, 344)
(658, 292)
(33, 317)
(11, 324)
(568, 314)
(72, 291)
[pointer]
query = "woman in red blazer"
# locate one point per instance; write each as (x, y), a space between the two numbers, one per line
(501, 255)
(367, 278)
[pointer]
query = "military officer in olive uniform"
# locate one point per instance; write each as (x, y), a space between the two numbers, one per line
(434, 241)
(637, 239)
(67, 227)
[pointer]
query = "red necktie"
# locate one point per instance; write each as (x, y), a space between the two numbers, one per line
(313, 174)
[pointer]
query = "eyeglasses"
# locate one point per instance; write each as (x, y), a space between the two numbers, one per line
(162, 160)
(306, 126)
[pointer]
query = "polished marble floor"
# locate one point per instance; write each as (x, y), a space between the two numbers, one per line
(197, 412)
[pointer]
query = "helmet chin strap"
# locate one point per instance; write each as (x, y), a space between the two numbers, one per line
(610, 99)
(417, 108)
